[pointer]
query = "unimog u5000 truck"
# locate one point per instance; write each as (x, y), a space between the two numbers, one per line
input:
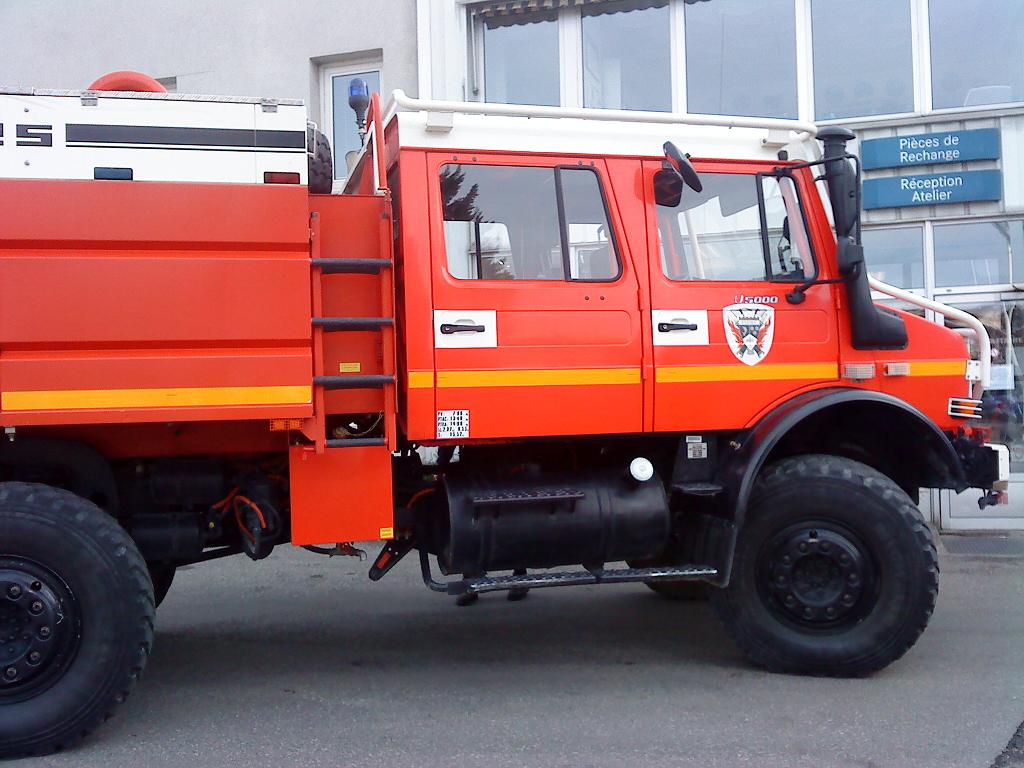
(539, 347)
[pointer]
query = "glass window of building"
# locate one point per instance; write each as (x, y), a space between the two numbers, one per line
(863, 58)
(977, 53)
(521, 59)
(344, 133)
(741, 58)
(896, 256)
(1002, 404)
(977, 253)
(627, 61)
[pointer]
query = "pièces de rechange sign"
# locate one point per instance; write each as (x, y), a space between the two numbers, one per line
(930, 148)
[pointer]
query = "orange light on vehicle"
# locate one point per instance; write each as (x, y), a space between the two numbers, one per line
(283, 425)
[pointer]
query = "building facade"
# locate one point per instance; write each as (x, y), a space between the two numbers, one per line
(275, 49)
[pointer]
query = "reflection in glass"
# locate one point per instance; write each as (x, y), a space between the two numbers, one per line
(715, 234)
(626, 56)
(522, 223)
(977, 53)
(863, 58)
(895, 256)
(741, 58)
(977, 253)
(346, 136)
(1003, 402)
(521, 59)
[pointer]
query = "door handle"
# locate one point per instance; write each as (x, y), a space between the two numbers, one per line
(666, 327)
(450, 328)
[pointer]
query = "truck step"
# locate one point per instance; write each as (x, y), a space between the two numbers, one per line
(353, 382)
(351, 266)
(355, 442)
(527, 497)
(697, 489)
(331, 324)
(478, 585)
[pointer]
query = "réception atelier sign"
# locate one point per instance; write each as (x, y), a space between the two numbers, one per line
(932, 149)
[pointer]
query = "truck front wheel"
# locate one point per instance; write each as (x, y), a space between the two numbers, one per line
(835, 571)
(76, 617)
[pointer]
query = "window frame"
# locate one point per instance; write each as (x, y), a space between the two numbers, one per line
(570, 68)
(328, 72)
(563, 233)
(757, 176)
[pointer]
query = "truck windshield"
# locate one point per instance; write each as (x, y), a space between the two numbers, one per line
(717, 234)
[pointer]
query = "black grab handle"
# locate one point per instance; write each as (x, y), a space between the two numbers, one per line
(449, 328)
(665, 327)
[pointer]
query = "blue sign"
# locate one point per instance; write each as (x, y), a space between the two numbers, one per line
(930, 148)
(932, 189)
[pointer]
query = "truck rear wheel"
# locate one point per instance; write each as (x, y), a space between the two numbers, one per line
(76, 618)
(835, 570)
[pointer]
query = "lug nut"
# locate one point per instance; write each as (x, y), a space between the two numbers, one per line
(802, 546)
(10, 673)
(808, 613)
(790, 600)
(36, 607)
(14, 592)
(34, 657)
(36, 586)
(830, 612)
(44, 632)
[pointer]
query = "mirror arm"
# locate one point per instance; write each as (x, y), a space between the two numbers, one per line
(796, 296)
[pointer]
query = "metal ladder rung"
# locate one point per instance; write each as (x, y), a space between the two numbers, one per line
(331, 324)
(356, 442)
(351, 266)
(353, 382)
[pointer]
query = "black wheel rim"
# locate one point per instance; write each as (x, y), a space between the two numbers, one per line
(40, 628)
(818, 575)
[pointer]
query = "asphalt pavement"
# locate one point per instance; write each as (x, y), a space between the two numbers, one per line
(301, 661)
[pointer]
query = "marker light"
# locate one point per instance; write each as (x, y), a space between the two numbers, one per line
(641, 469)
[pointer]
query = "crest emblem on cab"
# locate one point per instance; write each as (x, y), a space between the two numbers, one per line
(749, 331)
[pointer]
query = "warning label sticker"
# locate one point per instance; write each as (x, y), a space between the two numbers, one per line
(696, 450)
(452, 424)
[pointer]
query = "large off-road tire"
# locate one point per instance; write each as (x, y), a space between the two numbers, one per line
(162, 577)
(76, 618)
(835, 570)
(321, 167)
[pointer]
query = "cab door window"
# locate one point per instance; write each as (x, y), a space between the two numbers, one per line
(526, 223)
(740, 227)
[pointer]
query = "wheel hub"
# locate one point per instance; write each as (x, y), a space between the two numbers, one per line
(817, 576)
(38, 626)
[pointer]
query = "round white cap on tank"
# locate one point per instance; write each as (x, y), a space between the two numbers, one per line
(641, 469)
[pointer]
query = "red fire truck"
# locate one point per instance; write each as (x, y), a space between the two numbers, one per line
(540, 347)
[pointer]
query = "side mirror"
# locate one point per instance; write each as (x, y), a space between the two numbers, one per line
(681, 165)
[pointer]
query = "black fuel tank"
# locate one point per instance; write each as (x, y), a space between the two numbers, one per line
(542, 522)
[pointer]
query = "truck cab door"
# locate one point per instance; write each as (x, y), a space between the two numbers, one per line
(536, 316)
(727, 344)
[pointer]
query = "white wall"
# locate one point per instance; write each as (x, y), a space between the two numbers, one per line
(269, 48)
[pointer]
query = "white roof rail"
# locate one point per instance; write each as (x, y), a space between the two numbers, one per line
(400, 101)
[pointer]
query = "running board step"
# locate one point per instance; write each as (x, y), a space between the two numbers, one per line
(351, 266)
(330, 324)
(353, 382)
(479, 585)
(355, 442)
